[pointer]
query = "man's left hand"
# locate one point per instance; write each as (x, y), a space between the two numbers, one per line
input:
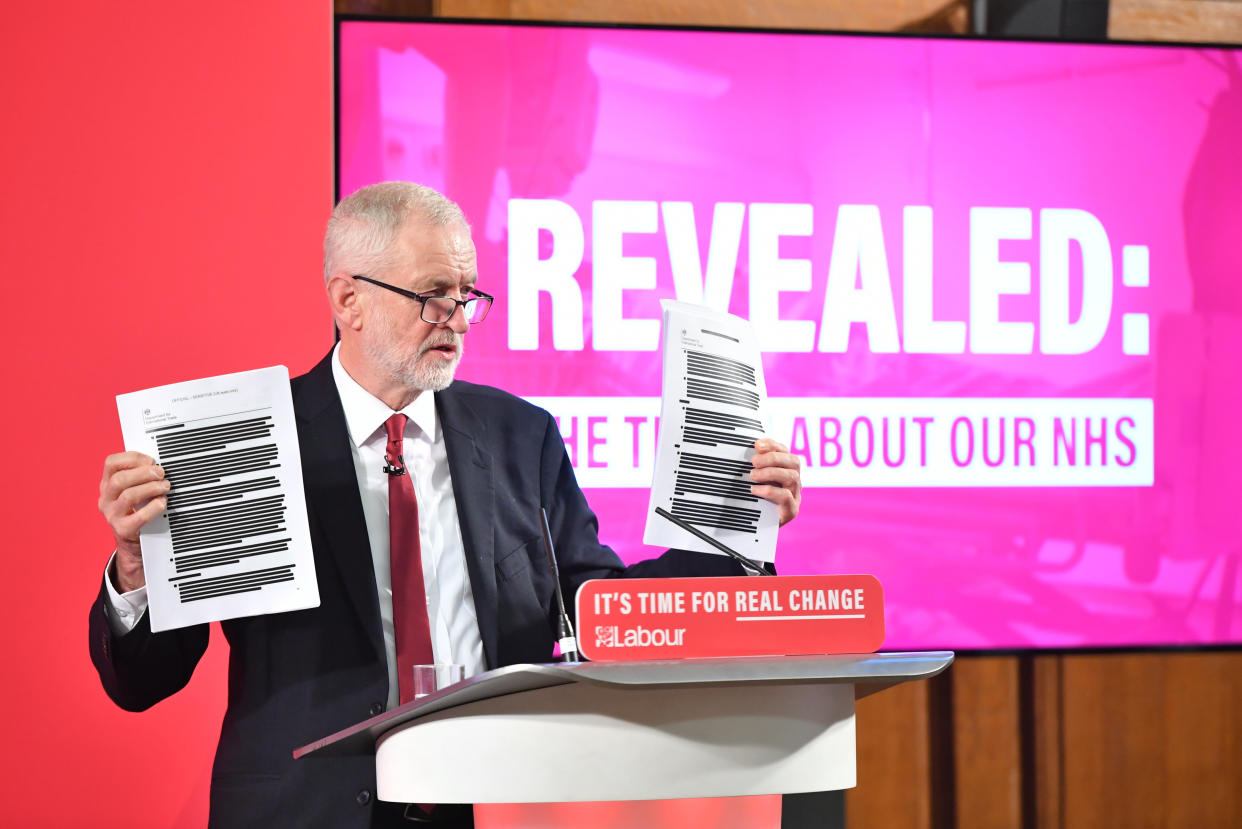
(777, 476)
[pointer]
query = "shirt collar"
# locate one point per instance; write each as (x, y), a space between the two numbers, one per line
(365, 413)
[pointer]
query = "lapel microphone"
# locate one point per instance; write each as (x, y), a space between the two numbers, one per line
(394, 470)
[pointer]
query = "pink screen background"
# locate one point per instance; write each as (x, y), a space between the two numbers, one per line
(1142, 138)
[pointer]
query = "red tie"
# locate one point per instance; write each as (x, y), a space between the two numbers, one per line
(409, 594)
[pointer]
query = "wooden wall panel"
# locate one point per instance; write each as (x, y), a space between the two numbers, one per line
(1056, 742)
(495, 9)
(875, 15)
(1214, 21)
(895, 760)
(1043, 784)
(386, 8)
(1153, 740)
(987, 763)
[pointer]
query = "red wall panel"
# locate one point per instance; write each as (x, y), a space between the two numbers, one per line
(167, 172)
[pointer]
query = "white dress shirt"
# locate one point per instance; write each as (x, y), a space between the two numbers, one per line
(453, 621)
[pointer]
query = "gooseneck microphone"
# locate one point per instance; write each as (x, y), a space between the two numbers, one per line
(759, 569)
(564, 628)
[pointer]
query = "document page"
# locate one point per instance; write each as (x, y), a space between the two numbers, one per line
(234, 540)
(714, 407)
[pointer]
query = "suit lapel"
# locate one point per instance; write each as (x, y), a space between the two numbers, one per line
(332, 493)
(470, 467)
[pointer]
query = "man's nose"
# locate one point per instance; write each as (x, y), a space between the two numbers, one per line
(458, 321)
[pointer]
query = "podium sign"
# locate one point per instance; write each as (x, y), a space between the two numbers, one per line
(643, 619)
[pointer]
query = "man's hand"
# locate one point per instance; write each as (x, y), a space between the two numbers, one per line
(777, 476)
(131, 493)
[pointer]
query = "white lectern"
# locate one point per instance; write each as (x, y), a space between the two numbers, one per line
(631, 730)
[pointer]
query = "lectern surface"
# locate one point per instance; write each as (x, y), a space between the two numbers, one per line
(867, 672)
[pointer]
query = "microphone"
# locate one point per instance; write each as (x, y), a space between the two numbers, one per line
(695, 531)
(564, 628)
(394, 470)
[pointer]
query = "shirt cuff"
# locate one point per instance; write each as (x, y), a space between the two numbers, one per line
(123, 610)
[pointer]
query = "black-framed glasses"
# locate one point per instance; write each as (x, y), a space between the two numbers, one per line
(437, 309)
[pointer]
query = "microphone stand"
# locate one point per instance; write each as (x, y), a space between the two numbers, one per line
(758, 568)
(564, 628)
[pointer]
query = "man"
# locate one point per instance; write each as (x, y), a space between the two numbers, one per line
(400, 275)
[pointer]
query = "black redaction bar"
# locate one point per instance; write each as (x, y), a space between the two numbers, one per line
(693, 482)
(201, 514)
(247, 582)
(209, 438)
(235, 524)
(721, 393)
(210, 469)
(704, 417)
(721, 516)
(194, 520)
(719, 367)
(705, 437)
(185, 500)
(709, 463)
(240, 534)
(229, 555)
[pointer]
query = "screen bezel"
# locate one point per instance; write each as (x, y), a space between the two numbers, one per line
(341, 19)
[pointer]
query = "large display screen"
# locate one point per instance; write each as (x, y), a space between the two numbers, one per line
(996, 285)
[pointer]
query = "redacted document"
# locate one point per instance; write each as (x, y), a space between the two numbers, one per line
(713, 408)
(234, 540)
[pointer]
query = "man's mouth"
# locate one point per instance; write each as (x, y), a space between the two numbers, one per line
(446, 349)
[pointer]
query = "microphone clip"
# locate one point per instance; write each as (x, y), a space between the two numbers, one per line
(397, 469)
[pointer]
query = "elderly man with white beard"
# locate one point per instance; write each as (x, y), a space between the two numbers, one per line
(423, 495)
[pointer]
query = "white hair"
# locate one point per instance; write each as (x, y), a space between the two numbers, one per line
(363, 227)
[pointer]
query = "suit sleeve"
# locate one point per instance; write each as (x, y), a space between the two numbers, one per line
(575, 531)
(141, 668)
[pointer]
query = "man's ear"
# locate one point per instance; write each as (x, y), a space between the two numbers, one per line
(344, 298)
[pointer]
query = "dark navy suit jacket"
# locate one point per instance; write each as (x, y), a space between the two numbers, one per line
(298, 676)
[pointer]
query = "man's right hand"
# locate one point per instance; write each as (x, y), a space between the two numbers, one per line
(131, 493)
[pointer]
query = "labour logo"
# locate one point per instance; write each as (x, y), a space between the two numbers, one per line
(607, 636)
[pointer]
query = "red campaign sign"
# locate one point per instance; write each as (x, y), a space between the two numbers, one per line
(631, 619)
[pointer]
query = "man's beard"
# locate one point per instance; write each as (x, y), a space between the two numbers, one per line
(412, 366)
